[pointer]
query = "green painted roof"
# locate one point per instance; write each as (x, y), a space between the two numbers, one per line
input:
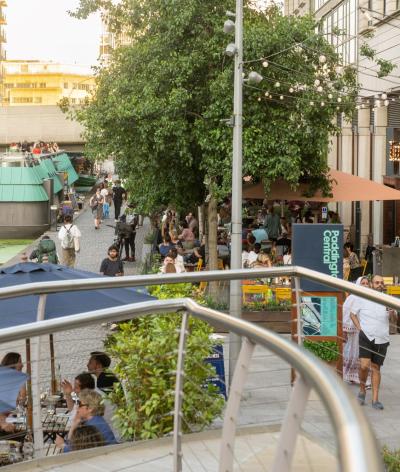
(63, 164)
(21, 184)
(48, 170)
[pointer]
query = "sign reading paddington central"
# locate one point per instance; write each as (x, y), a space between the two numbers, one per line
(318, 247)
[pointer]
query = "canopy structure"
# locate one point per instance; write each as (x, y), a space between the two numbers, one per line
(345, 188)
(63, 164)
(21, 184)
(21, 310)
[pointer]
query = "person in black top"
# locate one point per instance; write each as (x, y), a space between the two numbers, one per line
(98, 362)
(119, 194)
(112, 265)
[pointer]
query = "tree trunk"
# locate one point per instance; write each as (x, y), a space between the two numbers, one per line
(213, 287)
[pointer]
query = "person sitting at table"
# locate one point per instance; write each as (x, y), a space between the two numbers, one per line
(176, 242)
(253, 254)
(245, 255)
(262, 261)
(90, 413)
(251, 239)
(198, 253)
(86, 436)
(166, 245)
(81, 381)
(173, 258)
(260, 234)
(187, 236)
(98, 363)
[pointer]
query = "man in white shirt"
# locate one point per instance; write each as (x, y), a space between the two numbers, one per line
(69, 235)
(372, 321)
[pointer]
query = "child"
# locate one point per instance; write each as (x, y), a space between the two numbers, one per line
(106, 210)
(112, 265)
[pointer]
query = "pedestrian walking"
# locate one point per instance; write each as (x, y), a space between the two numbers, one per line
(130, 239)
(351, 363)
(119, 195)
(69, 235)
(96, 204)
(112, 265)
(272, 224)
(372, 322)
(45, 252)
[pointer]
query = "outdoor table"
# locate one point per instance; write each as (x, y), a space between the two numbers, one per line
(55, 423)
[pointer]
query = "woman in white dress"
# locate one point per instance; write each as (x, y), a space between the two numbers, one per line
(351, 349)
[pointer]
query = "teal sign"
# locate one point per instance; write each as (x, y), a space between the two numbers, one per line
(319, 315)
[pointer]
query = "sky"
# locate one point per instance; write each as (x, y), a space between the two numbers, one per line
(43, 30)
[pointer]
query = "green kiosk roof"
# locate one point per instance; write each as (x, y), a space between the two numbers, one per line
(47, 170)
(63, 164)
(21, 184)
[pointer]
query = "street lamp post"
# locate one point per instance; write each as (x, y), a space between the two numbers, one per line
(235, 299)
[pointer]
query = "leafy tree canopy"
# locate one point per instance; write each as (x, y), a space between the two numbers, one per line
(160, 104)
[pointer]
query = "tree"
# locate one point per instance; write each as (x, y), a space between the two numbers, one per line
(161, 106)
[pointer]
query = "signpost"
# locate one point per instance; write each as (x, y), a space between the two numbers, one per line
(319, 247)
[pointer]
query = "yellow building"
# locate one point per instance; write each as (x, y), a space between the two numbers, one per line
(45, 83)
(3, 40)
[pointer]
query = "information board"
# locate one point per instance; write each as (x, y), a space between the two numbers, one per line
(217, 361)
(319, 315)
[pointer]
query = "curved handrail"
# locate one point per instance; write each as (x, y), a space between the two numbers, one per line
(358, 450)
(39, 288)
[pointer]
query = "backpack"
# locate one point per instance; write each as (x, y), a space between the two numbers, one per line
(47, 248)
(67, 241)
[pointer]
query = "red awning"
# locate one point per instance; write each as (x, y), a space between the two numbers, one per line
(347, 188)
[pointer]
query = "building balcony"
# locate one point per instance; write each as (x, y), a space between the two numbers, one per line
(3, 3)
(3, 20)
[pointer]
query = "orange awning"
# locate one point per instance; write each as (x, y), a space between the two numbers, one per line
(347, 188)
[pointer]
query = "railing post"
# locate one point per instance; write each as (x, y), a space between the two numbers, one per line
(298, 311)
(233, 404)
(177, 442)
(36, 407)
(291, 426)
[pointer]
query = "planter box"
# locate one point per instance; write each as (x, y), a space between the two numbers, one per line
(278, 321)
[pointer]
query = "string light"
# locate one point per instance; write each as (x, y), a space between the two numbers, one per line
(322, 104)
(322, 59)
(320, 89)
(281, 97)
(316, 82)
(386, 103)
(312, 103)
(265, 64)
(266, 94)
(291, 90)
(330, 96)
(277, 84)
(384, 96)
(339, 99)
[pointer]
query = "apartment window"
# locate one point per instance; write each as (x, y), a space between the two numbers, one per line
(73, 100)
(74, 85)
(42, 85)
(320, 3)
(340, 29)
(22, 100)
(24, 85)
(38, 100)
(83, 87)
(65, 85)
(9, 85)
(24, 68)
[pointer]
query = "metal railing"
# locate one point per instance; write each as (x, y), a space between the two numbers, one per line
(357, 446)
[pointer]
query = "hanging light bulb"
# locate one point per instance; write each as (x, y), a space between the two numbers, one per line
(277, 84)
(357, 107)
(330, 96)
(339, 99)
(259, 99)
(265, 64)
(281, 97)
(378, 103)
(320, 89)
(312, 103)
(266, 94)
(386, 103)
(322, 104)
(337, 108)
(291, 90)
(316, 82)
(384, 96)
(322, 59)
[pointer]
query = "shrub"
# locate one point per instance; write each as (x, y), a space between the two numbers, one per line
(391, 459)
(326, 350)
(146, 356)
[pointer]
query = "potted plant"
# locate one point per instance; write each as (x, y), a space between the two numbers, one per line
(328, 351)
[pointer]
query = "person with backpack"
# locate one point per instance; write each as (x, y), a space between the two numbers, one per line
(96, 204)
(69, 235)
(45, 252)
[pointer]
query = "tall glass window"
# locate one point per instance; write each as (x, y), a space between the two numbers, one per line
(320, 3)
(340, 29)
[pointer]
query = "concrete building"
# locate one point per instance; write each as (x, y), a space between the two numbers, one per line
(367, 145)
(3, 40)
(32, 82)
(110, 40)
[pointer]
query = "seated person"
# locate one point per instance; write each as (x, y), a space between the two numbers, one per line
(12, 360)
(91, 413)
(245, 255)
(98, 363)
(166, 245)
(287, 258)
(251, 239)
(86, 436)
(187, 236)
(262, 261)
(260, 234)
(173, 258)
(198, 253)
(81, 382)
(253, 254)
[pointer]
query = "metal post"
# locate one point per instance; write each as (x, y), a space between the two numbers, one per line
(291, 426)
(232, 406)
(298, 311)
(36, 407)
(177, 442)
(235, 300)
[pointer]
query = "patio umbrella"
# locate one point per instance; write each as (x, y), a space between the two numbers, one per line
(345, 188)
(22, 310)
(10, 383)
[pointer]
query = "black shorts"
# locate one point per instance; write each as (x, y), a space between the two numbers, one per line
(370, 350)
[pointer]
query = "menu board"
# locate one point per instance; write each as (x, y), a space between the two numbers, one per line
(319, 315)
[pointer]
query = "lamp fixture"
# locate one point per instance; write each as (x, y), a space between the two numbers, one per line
(231, 50)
